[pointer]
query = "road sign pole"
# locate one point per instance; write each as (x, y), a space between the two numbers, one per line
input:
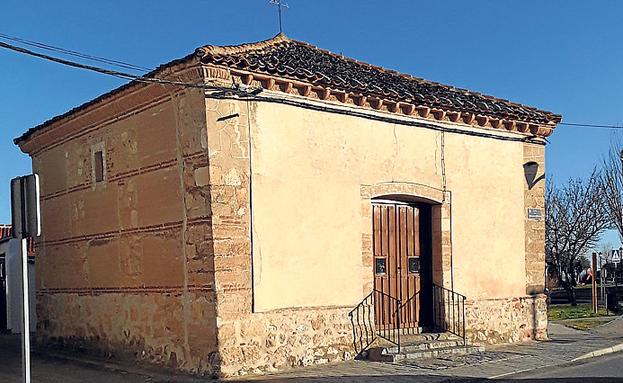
(26, 314)
(26, 223)
(594, 282)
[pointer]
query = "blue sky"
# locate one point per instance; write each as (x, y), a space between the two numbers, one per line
(560, 55)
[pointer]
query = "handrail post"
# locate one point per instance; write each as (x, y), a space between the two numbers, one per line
(399, 323)
(455, 315)
(449, 313)
(464, 334)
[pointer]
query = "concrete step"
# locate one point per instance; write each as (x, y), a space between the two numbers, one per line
(407, 331)
(424, 346)
(382, 354)
(418, 346)
(414, 338)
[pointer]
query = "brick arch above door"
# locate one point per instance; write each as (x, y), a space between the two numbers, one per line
(418, 191)
(441, 226)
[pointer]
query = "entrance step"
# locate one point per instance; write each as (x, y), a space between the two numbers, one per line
(407, 333)
(429, 345)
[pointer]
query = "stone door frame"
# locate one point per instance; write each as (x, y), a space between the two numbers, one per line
(441, 212)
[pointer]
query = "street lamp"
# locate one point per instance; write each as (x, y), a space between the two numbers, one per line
(530, 169)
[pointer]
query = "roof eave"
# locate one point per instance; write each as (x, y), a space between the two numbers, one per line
(19, 141)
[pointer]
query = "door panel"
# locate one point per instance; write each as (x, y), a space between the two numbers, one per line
(396, 248)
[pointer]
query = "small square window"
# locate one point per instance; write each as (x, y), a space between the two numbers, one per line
(98, 166)
(414, 265)
(380, 266)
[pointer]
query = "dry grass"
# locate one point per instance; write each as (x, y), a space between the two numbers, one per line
(562, 312)
(580, 317)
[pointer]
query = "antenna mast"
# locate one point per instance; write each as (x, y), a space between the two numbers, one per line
(279, 4)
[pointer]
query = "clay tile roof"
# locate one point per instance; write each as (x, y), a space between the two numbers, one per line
(298, 61)
(284, 57)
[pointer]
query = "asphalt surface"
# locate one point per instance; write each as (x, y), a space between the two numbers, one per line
(607, 368)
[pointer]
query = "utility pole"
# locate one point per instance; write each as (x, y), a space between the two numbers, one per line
(279, 4)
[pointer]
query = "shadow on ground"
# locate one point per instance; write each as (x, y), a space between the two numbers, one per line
(428, 379)
(57, 370)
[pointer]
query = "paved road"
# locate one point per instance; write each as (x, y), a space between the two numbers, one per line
(607, 368)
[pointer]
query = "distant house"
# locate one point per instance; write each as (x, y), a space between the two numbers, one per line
(231, 226)
(11, 283)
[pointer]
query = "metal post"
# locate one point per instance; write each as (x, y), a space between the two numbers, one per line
(399, 324)
(26, 222)
(601, 280)
(25, 287)
(464, 333)
(26, 314)
(616, 286)
(594, 282)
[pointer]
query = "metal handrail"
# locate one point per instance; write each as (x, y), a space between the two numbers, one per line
(390, 328)
(363, 329)
(363, 320)
(448, 315)
(413, 298)
(449, 311)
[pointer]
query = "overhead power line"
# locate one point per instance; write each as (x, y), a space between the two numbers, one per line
(597, 126)
(149, 79)
(70, 52)
(110, 72)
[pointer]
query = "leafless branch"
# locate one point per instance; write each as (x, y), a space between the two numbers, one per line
(576, 214)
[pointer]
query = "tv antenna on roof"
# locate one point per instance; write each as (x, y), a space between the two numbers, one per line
(280, 4)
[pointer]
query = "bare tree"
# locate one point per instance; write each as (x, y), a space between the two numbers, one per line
(575, 217)
(613, 186)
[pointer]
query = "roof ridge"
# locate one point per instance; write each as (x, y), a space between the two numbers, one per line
(414, 93)
(242, 48)
(282, 38)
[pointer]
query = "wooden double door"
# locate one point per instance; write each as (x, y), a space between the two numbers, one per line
(401, 238)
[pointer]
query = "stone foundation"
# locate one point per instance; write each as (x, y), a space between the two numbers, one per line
(156, 328)
(278, 340)
(507, 320)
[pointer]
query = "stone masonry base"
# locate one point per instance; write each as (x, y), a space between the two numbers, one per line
(507, 320)
(158, 329)
(264, 342)
(170, 330)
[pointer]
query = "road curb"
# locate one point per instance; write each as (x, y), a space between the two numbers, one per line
(600, 352)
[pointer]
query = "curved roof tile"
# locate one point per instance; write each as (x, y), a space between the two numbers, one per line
(298, 60)
(284, 57)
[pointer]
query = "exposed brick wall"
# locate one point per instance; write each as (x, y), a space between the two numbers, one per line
(126, 265)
